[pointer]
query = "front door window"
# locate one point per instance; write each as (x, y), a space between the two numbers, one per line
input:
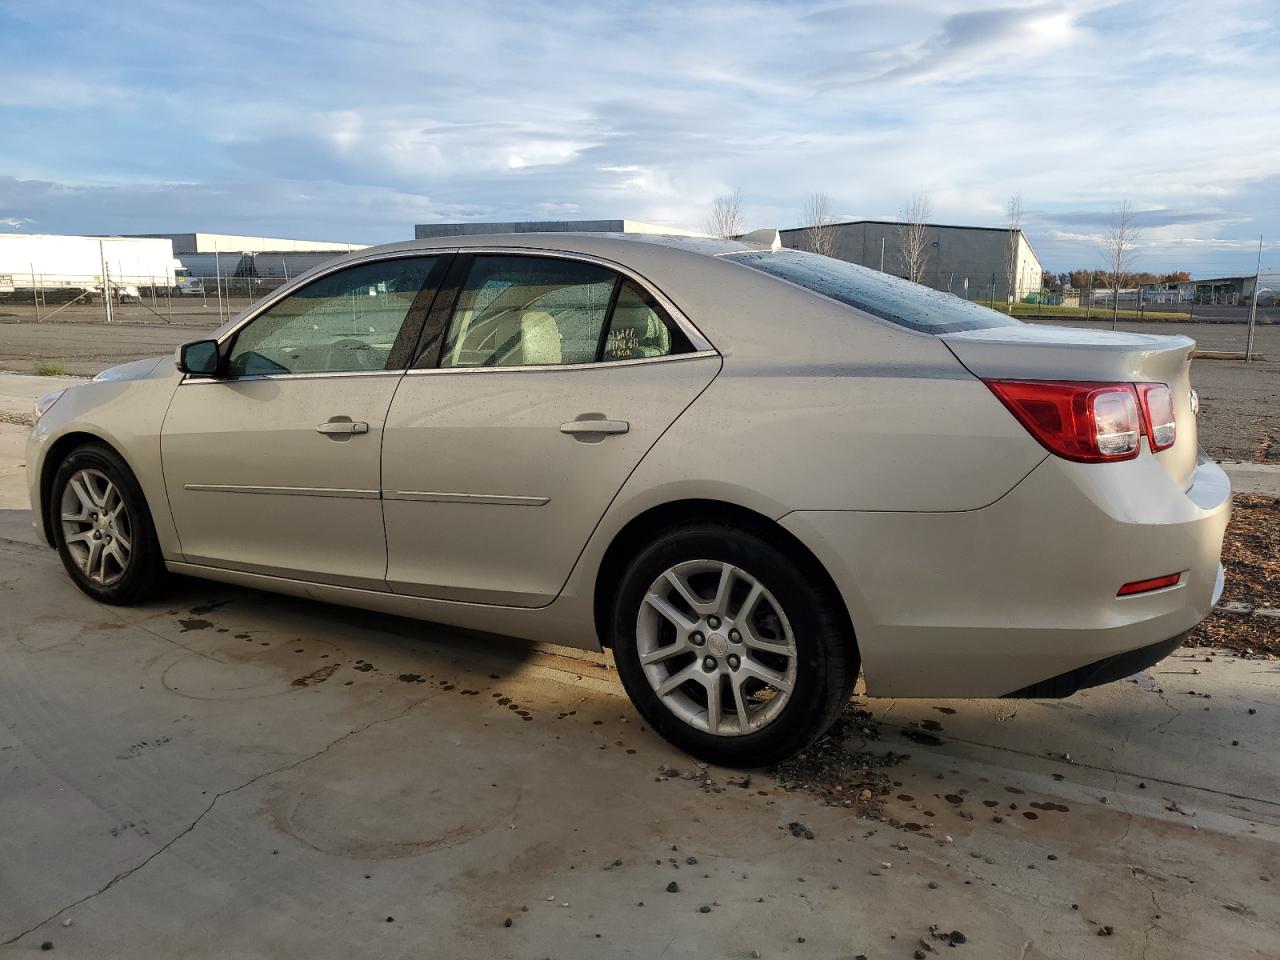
(346, 321)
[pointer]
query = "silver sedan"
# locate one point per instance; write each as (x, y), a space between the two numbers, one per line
(750, 471)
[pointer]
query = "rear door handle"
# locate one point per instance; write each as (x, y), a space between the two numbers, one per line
(595, 426)
(342, 427)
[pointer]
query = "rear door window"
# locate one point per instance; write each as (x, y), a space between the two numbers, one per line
(520, 311)
(638, 329)
(882, 295)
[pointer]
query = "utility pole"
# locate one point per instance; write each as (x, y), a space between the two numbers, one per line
(35, 291)
(106, 283)
(1253, 310)
(217, 272)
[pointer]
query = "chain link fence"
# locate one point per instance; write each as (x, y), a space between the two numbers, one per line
(182, 300)
(202, 302)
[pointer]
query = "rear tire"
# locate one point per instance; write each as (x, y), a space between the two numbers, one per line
(102, 528)
(714, 621)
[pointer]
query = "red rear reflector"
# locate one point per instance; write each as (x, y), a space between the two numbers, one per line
(1157, 407)
(1145, 586)
(1082, 421)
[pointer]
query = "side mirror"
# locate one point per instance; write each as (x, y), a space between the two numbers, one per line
(199, 358)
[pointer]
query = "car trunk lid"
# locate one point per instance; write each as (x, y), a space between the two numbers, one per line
(1039, 352)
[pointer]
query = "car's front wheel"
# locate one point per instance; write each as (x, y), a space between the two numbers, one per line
(729, 647)
(102, 527)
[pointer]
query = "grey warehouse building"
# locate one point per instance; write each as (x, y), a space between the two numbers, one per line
(429, 231)
(967, 261)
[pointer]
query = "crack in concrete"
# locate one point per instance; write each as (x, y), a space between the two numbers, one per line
(1136, 873)
(292, 765)
(1159, 727)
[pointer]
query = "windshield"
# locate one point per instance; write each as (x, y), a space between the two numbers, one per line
(879, 294)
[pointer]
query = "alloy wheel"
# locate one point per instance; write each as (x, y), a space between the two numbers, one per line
(716, 647)
(96, 526)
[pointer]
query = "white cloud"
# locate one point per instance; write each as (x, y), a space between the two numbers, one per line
(489, 110)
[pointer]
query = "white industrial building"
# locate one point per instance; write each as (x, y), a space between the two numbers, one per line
(57, 267)
(218, 255)
(235, 243)
(1227, 291)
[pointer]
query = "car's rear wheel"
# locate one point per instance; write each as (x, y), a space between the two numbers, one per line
(729, 647)
(102, 527)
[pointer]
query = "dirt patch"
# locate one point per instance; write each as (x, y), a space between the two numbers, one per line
(1251, 555)
(841, 768)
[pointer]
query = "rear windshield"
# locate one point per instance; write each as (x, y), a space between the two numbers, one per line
(879, 294)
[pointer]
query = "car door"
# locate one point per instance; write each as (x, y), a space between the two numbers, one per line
(274, 467)
(547, 380)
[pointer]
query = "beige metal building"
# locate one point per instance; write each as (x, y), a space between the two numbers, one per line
(967, 261)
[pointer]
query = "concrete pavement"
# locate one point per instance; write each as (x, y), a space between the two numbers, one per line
(233, 774)
(18, 391)
(229, 773)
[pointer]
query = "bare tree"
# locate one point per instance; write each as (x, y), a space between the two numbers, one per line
(1015, 241)
(725, 219)
(1118, 247)
(914, 245)
(820, 235)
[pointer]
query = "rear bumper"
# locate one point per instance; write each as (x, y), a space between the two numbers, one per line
(984, 602)
(1108, 669)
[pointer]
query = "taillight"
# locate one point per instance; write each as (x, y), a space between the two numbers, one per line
(1157, 407)
(1146, 586)
(1085, 422)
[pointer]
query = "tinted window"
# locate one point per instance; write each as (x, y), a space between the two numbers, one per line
(526, 311)
(879, 294)
(637, 328)
(342, 322)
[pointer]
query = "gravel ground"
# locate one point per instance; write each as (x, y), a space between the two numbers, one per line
(1251, 554)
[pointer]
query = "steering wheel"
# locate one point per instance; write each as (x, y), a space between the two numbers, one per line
(351, 353)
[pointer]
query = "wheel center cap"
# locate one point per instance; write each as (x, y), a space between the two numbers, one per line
(718, 644)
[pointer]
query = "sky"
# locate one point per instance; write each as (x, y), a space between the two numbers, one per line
(354, 121)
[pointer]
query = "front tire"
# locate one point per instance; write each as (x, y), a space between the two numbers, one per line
(730, 647)
(102, 528)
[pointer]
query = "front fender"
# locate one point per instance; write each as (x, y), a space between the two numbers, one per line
(125, 414)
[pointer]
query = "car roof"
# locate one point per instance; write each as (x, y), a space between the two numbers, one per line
(735, 308)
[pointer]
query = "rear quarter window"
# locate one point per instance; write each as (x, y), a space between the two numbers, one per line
(882, 295)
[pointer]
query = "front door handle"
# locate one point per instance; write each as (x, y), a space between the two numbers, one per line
(342, 428)
(595, 426)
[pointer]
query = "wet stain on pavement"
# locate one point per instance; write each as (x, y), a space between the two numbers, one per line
(1050, 805)
(317, 676)
(920, 736)
(209, 607)
(194, 624)
(141, 746)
